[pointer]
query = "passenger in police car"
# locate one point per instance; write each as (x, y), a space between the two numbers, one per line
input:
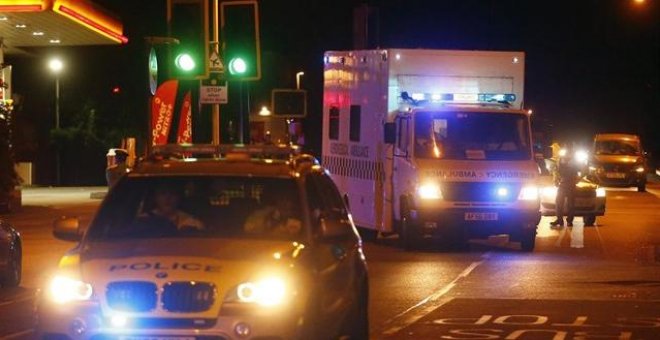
(167, 200)
(276, 217)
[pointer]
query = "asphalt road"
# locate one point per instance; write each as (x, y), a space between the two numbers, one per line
(598, 282)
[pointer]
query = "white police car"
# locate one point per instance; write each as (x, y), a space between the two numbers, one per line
(234, 247)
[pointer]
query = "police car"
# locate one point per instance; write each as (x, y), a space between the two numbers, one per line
(251, 243)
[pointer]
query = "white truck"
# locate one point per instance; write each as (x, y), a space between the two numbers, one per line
(432, 142)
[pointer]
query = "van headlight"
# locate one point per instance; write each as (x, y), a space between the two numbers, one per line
(639, 169)
(429, 191)
(600, 192)
(529, 193)
(581, 156)
(63, 289)
(266, 292)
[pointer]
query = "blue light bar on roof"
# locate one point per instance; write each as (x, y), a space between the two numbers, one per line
(464, 97)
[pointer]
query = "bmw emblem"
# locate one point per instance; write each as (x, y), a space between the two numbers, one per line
(161, 275)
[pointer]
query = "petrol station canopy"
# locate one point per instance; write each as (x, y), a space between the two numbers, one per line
(41, 23)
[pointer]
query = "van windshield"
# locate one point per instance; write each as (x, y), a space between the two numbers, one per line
(617, 147)
(472, 136)
(200, 206)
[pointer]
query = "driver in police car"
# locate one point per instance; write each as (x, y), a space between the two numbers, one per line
(167, 200)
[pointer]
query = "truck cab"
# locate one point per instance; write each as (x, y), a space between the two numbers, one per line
(463, 171)
(431, 142)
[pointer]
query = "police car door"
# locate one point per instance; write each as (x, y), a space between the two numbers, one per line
(338, 257)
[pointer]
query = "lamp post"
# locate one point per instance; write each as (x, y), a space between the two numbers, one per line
(56, 67)
(298, 75)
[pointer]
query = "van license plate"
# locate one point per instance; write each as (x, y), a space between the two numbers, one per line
(615, 175)
(481, 216)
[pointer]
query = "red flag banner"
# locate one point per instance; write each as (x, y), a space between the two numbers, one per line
(184, 135)
(162, 107)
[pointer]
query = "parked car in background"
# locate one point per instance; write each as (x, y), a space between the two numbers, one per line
(589, 197)
(618, 160)
(10, 255)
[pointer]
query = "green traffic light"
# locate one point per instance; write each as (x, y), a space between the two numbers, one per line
(237, 66)
(185, 62)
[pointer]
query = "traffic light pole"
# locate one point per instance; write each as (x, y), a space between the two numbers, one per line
(215, 113)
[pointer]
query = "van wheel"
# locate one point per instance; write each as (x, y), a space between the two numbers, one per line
(410, 235)
(641, 187)
(528, 239)
(589, 221)
(409, 232)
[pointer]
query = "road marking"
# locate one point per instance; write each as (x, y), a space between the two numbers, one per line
(18, 334)
(401, 321)
(21, 299)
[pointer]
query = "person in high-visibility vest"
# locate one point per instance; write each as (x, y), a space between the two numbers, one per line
(567, 177)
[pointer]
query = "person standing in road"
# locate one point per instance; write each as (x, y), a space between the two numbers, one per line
(567, 176)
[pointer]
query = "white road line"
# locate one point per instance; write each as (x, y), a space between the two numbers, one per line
(402, 320)
(17, 334)
(18, 300)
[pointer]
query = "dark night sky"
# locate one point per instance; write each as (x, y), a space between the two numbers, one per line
(592, 65)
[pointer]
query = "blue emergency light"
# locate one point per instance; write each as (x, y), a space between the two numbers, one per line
(461, 97)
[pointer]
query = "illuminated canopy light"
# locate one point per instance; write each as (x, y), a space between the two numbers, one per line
(237, 66)
(91, 18)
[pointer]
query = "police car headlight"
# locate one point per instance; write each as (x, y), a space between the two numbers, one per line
(600, 192)
(266, 292)
(550, 192)
(529, 193)
(64, 289)
(429, 191)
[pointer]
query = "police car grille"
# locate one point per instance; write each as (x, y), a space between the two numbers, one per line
(132, 296)
(188, 297)
(479, 192)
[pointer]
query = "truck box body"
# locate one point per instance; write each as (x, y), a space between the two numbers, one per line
(365, 89)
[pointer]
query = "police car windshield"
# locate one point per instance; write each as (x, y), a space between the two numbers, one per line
(472, 136)
(200, 206)
(617, 147)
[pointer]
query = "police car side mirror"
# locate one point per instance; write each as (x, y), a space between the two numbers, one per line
(389, 131)
(67, 229)
(332, 229)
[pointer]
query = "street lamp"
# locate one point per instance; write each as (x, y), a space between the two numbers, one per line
(56, 65)
(298, 75)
